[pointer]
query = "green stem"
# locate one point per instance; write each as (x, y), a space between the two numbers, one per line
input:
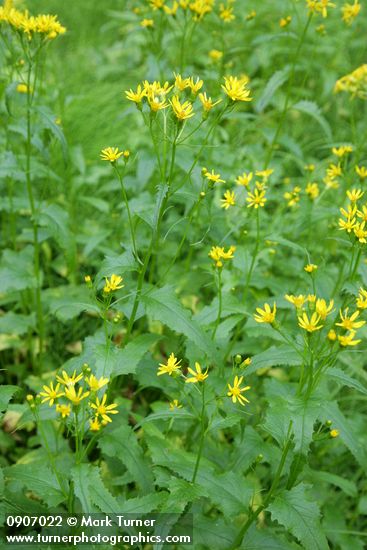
(289, 87)
(219, 304)
(36, 246)
(247, 285)
(125, 199)
(273, 487)
(356, 265)
(50, 455)
(202, 435)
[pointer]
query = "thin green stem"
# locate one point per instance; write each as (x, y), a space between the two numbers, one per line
(202, 434)
(288, 92)
(247, 285)
(125, 199)
(254, 514)
(219, 286)
(36, 246)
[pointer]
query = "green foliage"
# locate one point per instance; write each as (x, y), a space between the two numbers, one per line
(109, 272)
(300, 516)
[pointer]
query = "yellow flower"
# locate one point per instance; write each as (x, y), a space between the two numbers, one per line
(195, 86)
(175, 405)
(334, 433)
(228, 200)
(236, 89)
(211, 176)
(355, 194)
(111, 154)
(64, 410)
(341, 151)
(96, 384)
(48, 25)
(311, 298)
(312, 190)
(94, 425)
(310, 268)
(331, 183)
(181, 83)
(297, 301)
(51, 393)
(156, 4)
(362, 299)
(217, 253)
(88, 279)
(104, 410)
(114, 283)
(251, 15)
(75, 397)
(266, 315)
(333, 171)
(147, 23)
(138, 96)
(200, 8)
(264, 174)
(309, 167)
(171, 10)
(207, 102)
(309, 324)
(349, 223)
(256, 199)
(293, 196)
(198, 376)
(360, 232)
(235, 391)
(182, 111)
(323, 309)
(350, 12)
(332, 335)
(319, 6)
(350, 323)
(245, 179)
(347, 339)
(22, 88)
(215, 55)
(355, 83)
(226, 13)
(67, 380)
(321, 29)
(156, 102)
(361, 171)
(285, 21)
(172, 366)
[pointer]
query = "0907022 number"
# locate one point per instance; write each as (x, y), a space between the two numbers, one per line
(31, 521)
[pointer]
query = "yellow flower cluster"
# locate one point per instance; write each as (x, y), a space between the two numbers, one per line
(217, 254)
(353, 217)
(355, 83)
(285, 21)
(157, 97)
(198, 375)
(46, 26)
(319, 6)
(198, 8)
(68, 392)
(293, 197)
(313, 317)
(350, 12)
